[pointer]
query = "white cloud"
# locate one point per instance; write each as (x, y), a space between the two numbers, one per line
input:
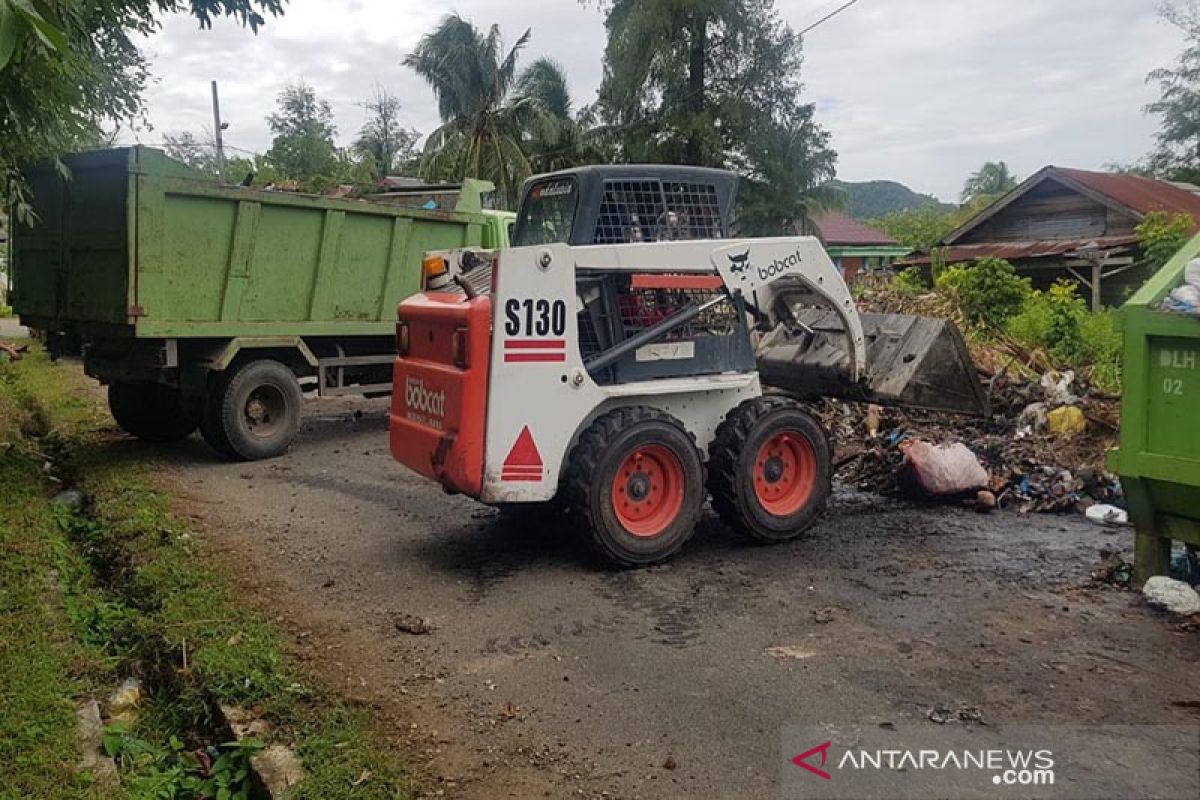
(921, 91)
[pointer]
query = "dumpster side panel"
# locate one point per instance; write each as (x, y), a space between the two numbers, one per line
(283, 266)
(1173, 397)
(187, 280)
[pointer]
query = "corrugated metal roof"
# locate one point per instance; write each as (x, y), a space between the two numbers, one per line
(1015, 251)
(1143, 195)
(839, 229)
(1128, 194)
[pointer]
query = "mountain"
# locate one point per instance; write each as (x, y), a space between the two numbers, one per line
(873, 199)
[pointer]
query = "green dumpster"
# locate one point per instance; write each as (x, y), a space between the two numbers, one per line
(1159, 454)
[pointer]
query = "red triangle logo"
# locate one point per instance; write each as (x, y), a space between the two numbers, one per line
(802, 760)
(524, 456)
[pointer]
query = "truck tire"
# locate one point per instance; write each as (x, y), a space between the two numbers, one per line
(769, 469)
(635, 483)
(150, 411)
(253, 412)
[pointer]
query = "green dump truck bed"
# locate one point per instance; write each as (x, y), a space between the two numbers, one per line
(1159, 455)
(137, 244)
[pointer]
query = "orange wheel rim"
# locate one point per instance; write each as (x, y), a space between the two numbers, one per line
(785, 473)
(648, 490)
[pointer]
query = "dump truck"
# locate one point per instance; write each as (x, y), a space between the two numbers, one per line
(205, 305)
(1158, 458)
(630, 356)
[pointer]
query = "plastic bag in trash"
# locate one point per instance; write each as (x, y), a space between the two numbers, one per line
(124, 702)
(1191, 273)
(1186, 298)
(1104, 514)
(1057, 388)
(1066, 421)
(935, 470)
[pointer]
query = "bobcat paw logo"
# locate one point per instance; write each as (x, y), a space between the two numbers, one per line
(740, 264)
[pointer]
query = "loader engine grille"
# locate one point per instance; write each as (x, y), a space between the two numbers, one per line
(656, 211)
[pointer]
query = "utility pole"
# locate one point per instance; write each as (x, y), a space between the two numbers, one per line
(218, 126)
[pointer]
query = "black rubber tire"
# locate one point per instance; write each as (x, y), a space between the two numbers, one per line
(592, 467)
(731, 468)
(211, 428)
(254, 412)
(153, 412)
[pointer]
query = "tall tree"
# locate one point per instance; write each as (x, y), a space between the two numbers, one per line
(715, 83)
(382, 138)
(793, 156)
(67, 67)
(988, 182)
(1177, 154)
(556, 137)
(483, 120)
(303, 148)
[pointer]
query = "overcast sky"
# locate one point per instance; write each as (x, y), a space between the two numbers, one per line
(920, 91)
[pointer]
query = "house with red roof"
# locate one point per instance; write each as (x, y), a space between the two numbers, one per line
(855, 246)
(1070, 223)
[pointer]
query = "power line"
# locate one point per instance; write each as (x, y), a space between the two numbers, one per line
(827, 17)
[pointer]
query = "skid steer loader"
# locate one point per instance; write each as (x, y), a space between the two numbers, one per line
(613, 362)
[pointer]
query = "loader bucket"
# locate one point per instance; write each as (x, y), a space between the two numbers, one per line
(912, 362)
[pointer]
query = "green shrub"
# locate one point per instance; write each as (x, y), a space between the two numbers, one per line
(911, 280)
(1058, 322)
(988, 291)
(1105, 350)
(1162, 235)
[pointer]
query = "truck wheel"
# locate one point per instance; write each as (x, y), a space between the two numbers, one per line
(635, 483)
(254, 412)
(150, 411)
(769, 469)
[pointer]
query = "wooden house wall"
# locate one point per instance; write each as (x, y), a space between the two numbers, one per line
(1050, 211)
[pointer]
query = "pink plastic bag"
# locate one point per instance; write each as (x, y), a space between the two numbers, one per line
(938, 470)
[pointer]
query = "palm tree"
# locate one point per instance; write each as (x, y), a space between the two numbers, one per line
(555, 139)
(988, 182)
(483, 119)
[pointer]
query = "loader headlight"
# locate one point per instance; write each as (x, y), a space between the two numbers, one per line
(434, 267)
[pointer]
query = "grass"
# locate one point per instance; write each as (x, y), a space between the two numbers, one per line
(124, 587)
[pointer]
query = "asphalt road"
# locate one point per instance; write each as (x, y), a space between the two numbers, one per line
(547, 675)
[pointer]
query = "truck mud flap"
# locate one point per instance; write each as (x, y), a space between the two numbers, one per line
(912, 362)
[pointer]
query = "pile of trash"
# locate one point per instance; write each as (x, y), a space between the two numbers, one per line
(1186, 298)
(1042, 449)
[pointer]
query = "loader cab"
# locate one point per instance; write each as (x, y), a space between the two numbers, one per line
(625, 204)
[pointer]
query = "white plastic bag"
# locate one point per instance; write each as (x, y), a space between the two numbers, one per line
(1107, 515)
(1184, 300)
(1191, 273)
(1057, 388)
